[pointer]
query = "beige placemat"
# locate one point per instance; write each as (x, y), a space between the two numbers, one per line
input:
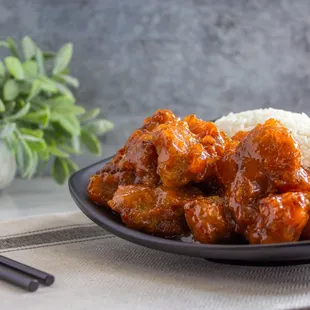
(95, 270)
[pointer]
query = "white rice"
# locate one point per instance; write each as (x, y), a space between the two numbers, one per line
(297, 123)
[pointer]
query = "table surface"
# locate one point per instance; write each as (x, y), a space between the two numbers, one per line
(35, 197)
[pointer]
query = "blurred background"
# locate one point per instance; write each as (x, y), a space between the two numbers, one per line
(192, 56)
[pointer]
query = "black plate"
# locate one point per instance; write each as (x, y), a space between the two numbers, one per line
(269, 254)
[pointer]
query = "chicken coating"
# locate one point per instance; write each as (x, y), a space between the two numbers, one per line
(208, 135)
(181, 158)
(141, 157)
(160, 117)
(240, 135)
(103, 185)
(208, 219)
(135, 163)
(158, 211)
(281, 219)
(266, 161)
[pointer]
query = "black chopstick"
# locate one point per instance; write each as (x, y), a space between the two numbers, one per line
(18, 279)
(41, 276)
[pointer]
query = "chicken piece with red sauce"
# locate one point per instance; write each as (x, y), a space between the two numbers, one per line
(265, 162)
(154, 210)
(208, 220)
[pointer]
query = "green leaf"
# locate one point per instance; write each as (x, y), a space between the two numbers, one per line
(40, 117)
(13, 47)
(65, 110)
(31, 138)
(47, 84)
(77, 110)
(68, 122)
(9, 107)
(60, 170)
(63, 58)
(44, 155)
(6, 130)
(64, 90)
(99, 127)
(23, 157)
(34, 165)
(58, 132)
(2, 69)
(4, 44)
(21, 113)
(89, 115)
(73, 167)
(57, 152)
(2, 106)
(59, 101)
(12, 143)
(69, 149)
(29, 48)
(38, 133)
(39, 145)
(10, 90)
(15, 67)
(91, 142)
(48, 55)
(75, 141)
(35, 90)
(24, 88)
(30, 68)
(40, 61)
(68, 79)
(65, 71)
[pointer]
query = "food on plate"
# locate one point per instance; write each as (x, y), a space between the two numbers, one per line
(289, 214)
(208, 220)
(297, 123)
(155, 210)
(179, 176)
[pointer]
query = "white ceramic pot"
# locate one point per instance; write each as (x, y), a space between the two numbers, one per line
(7, 166)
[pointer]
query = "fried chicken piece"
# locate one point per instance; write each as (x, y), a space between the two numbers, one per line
(266, 161)
(158, 211)
(160, 117)
(181, 158)
(281, 218)
(208, 220)
(278, 154)
(208, 135)
(135, 163)
(103, 185)
(240, 135)
(140, 156)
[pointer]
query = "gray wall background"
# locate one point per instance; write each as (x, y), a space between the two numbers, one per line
(192, 56)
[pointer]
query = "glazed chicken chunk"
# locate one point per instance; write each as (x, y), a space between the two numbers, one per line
(208, 220)
(158, 210)
(281, 218)
(265, 162)
(187, 150)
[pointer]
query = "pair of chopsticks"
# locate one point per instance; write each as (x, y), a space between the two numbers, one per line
(23, 276)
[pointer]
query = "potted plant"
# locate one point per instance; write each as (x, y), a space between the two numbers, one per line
(39, 118)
